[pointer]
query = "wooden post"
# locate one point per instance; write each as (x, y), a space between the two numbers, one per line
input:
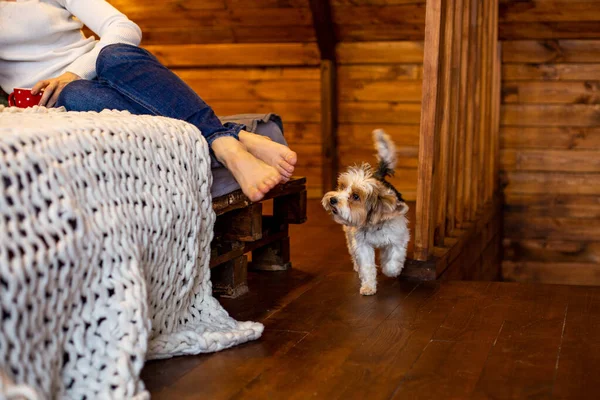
(429, 140)
(326, 39)
(484, 134)
(455, 114)
(495, 108)
(496, 118)
(230, 278)
(445, 129)
(244, 224)
(463, 115)
(475, 170)
(291, 209)
(470, 120)
(329, 124)
(441, 163)
(273, 257)
(490, 93)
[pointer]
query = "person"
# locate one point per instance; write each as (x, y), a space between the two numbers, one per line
(42, 47)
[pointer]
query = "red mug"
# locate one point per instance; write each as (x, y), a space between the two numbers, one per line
(23, 98)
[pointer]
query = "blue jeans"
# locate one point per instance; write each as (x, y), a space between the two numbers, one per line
(130, 78)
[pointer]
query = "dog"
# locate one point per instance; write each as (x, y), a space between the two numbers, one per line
(373, 215)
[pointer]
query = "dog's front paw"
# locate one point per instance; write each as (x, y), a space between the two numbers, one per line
(367, 290)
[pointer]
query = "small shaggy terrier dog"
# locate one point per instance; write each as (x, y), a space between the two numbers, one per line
(373, 214)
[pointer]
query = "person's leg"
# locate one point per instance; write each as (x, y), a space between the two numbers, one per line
(138, 75)
(85, 95)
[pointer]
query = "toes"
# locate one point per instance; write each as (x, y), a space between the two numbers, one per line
(268, 183)
(273, 181)
(283, 172)
(284, 165)
(264, 187)
(291, 157)
(255, 194)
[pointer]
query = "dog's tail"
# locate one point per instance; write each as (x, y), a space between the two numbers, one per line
(386, 154)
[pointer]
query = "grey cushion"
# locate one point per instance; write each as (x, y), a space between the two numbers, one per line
(269, 125)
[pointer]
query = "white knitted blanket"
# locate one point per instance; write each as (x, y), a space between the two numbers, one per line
(105, 228)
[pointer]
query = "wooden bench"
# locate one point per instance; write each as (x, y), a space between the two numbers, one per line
(241, 228)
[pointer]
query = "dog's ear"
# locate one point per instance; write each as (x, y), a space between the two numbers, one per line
(388, 202)
(381, 204)
(403, 208)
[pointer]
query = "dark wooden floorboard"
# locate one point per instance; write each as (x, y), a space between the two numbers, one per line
(335, 331)
(222, 375)
(578, 366)
(445, 370)
(478, 314)
(374, 369)
(431, 340)
(452, 361)
(522, 362)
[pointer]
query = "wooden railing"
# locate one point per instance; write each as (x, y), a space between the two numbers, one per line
(458, 152)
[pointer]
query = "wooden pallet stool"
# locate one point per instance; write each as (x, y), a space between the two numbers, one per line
(241, 228)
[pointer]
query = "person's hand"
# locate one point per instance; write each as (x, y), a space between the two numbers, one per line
(52, 88)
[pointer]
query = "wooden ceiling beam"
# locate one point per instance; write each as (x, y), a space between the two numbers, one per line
(324, 28)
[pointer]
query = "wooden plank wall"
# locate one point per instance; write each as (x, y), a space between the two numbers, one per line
(549, 19)
(220, 21)
(379, 20)
(550, 139)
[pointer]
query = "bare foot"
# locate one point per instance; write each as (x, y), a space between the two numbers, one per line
(254, 176)
(276, 155)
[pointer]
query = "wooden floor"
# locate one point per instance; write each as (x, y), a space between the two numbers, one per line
(436, 340)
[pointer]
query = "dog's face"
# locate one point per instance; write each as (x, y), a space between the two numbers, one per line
(361, 200)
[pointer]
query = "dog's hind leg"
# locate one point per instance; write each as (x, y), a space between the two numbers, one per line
(392, 259)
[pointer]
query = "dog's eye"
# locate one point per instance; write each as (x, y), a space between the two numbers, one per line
(355, 197)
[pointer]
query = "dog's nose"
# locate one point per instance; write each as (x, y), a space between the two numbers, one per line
(333, 201)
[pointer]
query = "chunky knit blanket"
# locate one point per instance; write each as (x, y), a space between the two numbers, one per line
(105, 229)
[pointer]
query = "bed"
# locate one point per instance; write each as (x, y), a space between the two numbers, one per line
(105, 248)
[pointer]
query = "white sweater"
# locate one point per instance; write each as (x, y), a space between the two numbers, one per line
(41, 39)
